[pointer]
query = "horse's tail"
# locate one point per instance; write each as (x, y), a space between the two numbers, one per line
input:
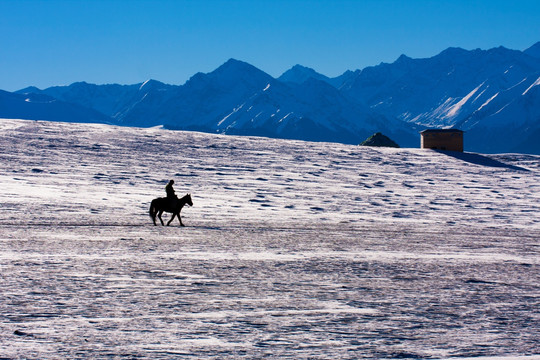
(153, 211)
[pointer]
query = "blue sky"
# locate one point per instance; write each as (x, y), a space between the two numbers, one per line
(53, 42)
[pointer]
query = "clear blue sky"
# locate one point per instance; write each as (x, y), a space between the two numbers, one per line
(55, 42)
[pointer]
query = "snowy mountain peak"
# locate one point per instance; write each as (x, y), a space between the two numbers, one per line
(151, 84)
(239, 71)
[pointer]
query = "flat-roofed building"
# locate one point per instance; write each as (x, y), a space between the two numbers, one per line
(442, 139)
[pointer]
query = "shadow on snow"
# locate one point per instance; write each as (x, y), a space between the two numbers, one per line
(478, 159)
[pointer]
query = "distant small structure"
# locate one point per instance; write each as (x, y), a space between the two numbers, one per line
(442, 139)
(378, 139)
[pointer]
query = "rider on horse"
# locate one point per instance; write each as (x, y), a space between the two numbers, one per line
(171, 196)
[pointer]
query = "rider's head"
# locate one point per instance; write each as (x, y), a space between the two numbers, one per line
(171, 182)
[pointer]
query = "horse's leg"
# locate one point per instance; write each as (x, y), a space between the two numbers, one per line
(153, 213)
(172, 218)
(159, 216)
(180, 219)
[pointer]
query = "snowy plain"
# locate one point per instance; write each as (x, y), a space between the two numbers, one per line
(292, 249)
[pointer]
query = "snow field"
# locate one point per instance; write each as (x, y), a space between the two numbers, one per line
(292, 249)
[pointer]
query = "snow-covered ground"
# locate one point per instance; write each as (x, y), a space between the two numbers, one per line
(292, 249)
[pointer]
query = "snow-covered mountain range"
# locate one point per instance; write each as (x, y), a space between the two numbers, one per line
(493, 95)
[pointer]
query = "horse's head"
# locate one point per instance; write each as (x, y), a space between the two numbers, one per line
(188, 200)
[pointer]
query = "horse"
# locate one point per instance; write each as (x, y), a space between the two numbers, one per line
(159, 205)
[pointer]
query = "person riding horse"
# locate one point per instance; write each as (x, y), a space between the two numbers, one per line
(171, 204)
(171, 195)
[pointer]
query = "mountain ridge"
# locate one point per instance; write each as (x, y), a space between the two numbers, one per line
(491, 94)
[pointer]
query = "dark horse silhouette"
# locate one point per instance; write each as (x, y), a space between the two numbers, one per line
(159, 205)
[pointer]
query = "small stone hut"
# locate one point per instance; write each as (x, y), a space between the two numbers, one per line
(442, 139)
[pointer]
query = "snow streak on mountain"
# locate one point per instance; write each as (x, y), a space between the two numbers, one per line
(493, 95)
